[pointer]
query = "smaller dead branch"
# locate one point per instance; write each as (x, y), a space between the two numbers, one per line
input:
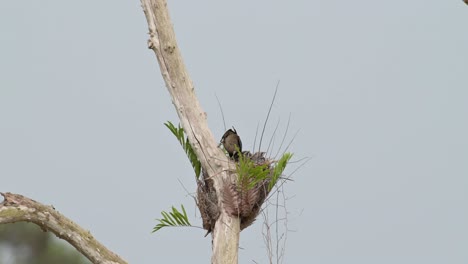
(18, 208)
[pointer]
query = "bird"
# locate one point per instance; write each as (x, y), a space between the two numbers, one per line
(232, 143)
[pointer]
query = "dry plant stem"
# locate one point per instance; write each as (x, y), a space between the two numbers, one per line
(17, 208)
(193, 119)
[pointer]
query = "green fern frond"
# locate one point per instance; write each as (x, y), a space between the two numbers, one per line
(279, 168)
(174, 218)
(249, 173)
(184, 142)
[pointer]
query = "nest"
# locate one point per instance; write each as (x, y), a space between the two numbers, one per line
(238, 199)
(207, 202)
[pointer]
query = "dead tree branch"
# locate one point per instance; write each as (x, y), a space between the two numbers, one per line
(17, 208)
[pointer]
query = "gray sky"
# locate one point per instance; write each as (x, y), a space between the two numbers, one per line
(378, 89)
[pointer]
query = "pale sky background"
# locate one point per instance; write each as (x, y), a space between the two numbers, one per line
(378, 89)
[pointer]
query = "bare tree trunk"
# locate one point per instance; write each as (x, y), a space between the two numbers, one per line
(193, 119)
